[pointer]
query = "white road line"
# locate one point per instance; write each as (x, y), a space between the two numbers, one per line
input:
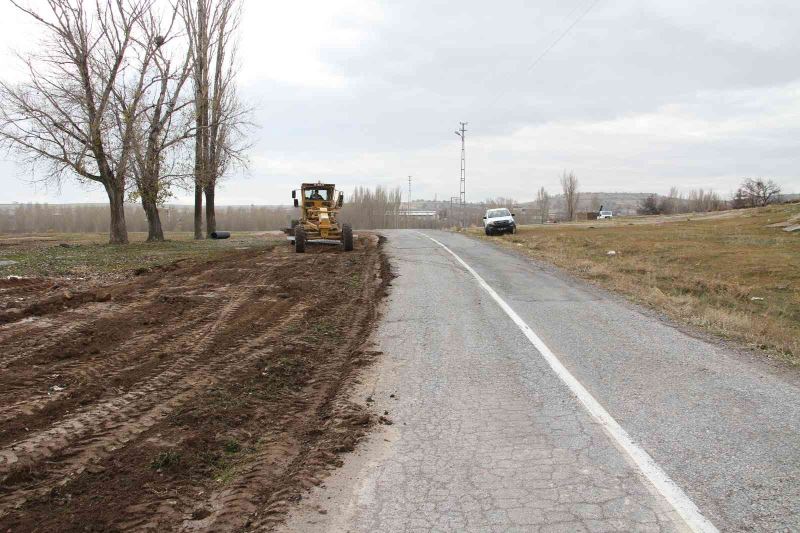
(678, 499)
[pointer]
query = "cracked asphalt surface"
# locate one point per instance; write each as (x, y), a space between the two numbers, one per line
(486, 438)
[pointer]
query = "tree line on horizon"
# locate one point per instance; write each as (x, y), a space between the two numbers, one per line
(378, 208)
(136, 95)
(751, 192)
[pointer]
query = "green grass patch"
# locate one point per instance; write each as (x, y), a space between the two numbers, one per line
(165, 460)
(231, 446)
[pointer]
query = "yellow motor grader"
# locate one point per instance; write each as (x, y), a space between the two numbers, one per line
(319, 205)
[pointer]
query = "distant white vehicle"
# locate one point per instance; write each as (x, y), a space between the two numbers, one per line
(604, 214)
(499, 221)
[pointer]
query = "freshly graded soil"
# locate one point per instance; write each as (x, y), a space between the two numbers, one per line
(206, 395)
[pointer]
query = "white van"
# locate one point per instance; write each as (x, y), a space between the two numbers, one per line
(604, 214)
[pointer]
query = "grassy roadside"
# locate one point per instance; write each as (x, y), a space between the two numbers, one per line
(71, 254)
(726, 272)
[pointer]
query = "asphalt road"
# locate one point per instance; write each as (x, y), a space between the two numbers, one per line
(487, 437)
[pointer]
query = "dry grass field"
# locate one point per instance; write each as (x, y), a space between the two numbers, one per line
(727, 272)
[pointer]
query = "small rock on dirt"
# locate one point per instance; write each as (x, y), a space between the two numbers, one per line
(611, 253)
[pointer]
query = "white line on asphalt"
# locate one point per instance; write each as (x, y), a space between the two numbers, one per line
(678, 499)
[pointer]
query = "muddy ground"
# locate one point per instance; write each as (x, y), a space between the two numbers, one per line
(200, 396)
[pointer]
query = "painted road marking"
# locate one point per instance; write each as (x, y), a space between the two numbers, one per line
(678, 499)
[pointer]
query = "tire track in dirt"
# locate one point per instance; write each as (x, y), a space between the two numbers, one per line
(108, 365)
(112, 369)
(302, 459)
(85, 365)
(298, 318)
(56, 309)
(312, 311)
(98, 432)
(110, 423)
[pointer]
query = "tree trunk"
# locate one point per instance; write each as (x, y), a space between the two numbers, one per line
(198, 211)
(155, 233)
(211, 217)
(116, 201)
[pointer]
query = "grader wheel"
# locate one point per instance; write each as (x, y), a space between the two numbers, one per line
(347, 237)
(299, 239)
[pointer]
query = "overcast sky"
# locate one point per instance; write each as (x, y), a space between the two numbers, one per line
(639, 96)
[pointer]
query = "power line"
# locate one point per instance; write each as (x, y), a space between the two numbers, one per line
(553, 44)
(563, 34)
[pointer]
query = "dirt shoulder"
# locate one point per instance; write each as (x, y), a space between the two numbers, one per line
(201, 395)
(735, 275)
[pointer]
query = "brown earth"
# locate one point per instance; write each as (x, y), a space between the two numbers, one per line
(201, 396)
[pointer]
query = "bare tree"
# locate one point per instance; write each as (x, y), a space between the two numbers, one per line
(757, 192)
(163, 124)
(569, 186)
(543, 203)
(739, 200)
(63, 115)
(650, 205)
(219, 113)
(671, 203)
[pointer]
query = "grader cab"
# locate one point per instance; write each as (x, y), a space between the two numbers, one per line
(319, 205)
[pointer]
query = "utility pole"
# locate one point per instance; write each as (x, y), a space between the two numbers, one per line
(408, 205)
(462, 132)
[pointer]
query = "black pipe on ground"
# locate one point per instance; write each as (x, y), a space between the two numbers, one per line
(220, 234)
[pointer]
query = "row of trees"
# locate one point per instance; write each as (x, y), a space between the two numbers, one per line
(751, 193)
(89, 218)
(136, 95)
(373, 208)
(696, 201)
